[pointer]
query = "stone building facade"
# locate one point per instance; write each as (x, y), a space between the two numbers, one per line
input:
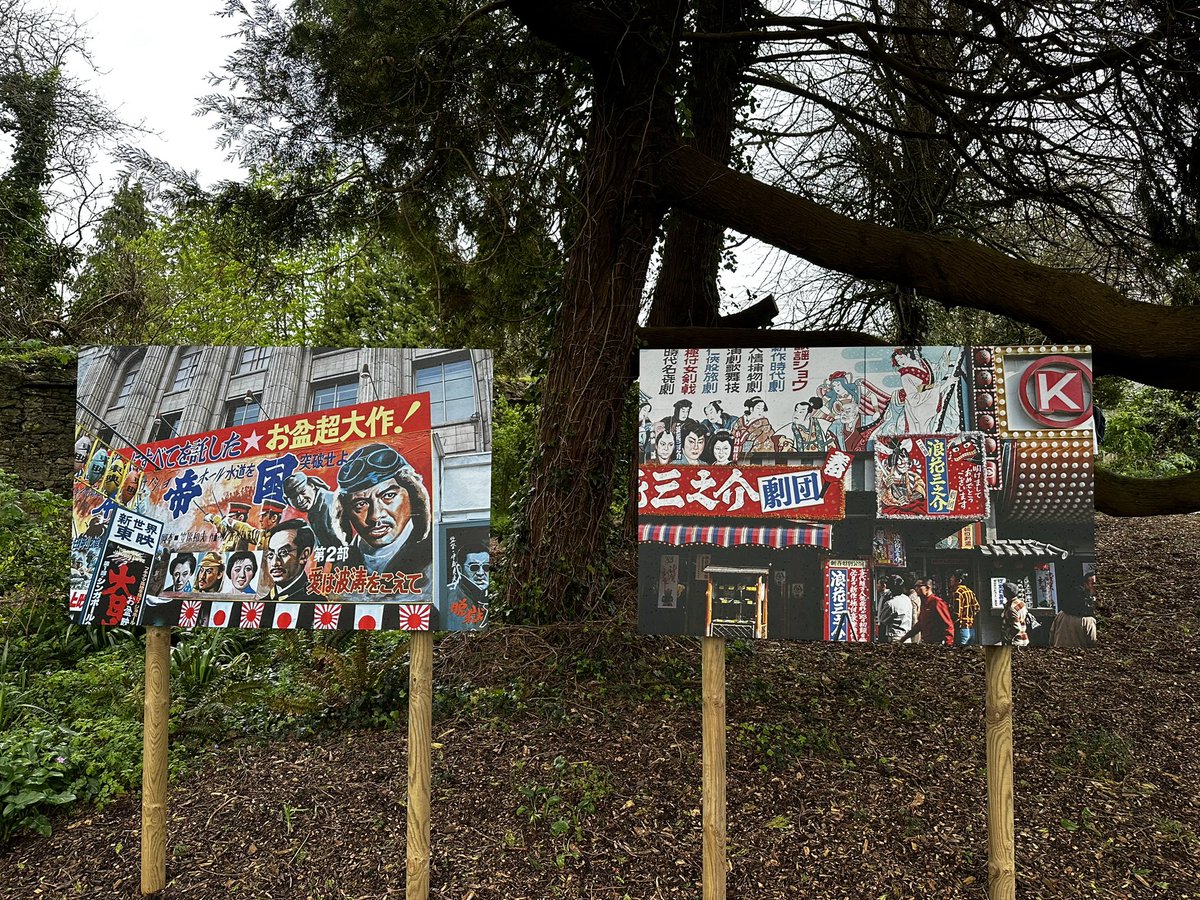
(136, 395)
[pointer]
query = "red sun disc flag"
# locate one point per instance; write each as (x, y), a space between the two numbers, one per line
(414, 616)
(286, 615)
(252, 615)
(189, 613)
(326, 615)
(368, 616)
(220, 615)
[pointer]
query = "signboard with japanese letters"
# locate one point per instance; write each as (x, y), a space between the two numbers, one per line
(329, 520)
(740, 491)
(930, 476)
(121, 577)
(847, 600)
(863, 493)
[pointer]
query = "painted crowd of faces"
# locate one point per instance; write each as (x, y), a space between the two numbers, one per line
(718, 407)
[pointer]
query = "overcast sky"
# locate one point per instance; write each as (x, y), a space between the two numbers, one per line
(153, 60)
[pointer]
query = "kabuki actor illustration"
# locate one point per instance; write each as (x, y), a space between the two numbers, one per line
(331, 519)
(867, 494)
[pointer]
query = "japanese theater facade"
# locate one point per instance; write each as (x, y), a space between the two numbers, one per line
(777, 485)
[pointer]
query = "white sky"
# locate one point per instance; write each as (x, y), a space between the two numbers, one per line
(153, 60)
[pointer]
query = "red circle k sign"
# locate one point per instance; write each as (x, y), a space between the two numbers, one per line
(1057, 391)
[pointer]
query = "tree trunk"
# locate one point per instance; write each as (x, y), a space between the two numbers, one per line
(560, 554)
(686, 291)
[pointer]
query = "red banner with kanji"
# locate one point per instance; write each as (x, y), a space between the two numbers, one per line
(789, 492)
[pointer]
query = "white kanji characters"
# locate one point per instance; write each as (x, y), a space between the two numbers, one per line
(701, 483)
(836, 464)
(666, 483)
(737, 487)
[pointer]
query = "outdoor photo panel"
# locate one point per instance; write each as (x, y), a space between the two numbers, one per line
(345, 515)
(935, 495)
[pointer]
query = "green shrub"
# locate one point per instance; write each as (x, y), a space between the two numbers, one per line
(34, 543)
(34, 778)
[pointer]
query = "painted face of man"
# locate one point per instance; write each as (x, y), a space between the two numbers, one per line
(305, 497)
(269, 519)
(237, 514)
(285, 561)
(693, 446)
(209, 577)
(179, 575)
(241, 573)
(380, 513)
(478, 569)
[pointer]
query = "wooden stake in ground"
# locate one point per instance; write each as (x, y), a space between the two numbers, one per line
(154, 758)
(420, 727)
(712, 803)
(1002, 873)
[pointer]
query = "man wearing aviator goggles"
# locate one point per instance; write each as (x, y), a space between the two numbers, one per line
(383, 508)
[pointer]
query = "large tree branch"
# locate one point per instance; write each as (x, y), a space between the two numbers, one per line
(1148, 343)
(575, 27)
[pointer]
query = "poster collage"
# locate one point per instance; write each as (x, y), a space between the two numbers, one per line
(938, 495)
(891, 494)
(322, 520)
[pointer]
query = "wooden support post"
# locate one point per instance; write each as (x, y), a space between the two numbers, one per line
(1002, 872)
(712, 802)
(154, 758)
(420, 729)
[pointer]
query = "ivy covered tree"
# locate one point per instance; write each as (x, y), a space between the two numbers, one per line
(48, 197)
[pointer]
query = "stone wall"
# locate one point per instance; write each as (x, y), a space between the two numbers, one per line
(37, 416)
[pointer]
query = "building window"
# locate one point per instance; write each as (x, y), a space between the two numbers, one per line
(335, 393)
(189, 364)
(166, 426)
(254, 359)
(242, 412)
(451, 389)
(126, 387)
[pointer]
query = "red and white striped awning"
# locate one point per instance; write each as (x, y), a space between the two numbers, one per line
(738, 536)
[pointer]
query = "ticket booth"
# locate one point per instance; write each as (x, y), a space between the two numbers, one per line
(737, 601)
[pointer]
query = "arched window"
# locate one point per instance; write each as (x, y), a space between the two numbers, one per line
(125, 379)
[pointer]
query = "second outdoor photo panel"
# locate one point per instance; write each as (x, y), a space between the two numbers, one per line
(937, 495)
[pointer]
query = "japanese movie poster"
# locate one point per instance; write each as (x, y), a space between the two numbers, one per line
(334, 519)
(864, 493)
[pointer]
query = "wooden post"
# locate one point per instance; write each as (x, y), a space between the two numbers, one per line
(154, 758)
(420, 727)
(1002, 872)
(712, 802)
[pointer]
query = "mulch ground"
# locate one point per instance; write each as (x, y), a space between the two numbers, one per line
(856, 773)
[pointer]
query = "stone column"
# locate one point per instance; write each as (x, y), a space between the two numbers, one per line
(284, 392)
(386, 366)
(205, 407)
(136, 418)
(96, 384)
